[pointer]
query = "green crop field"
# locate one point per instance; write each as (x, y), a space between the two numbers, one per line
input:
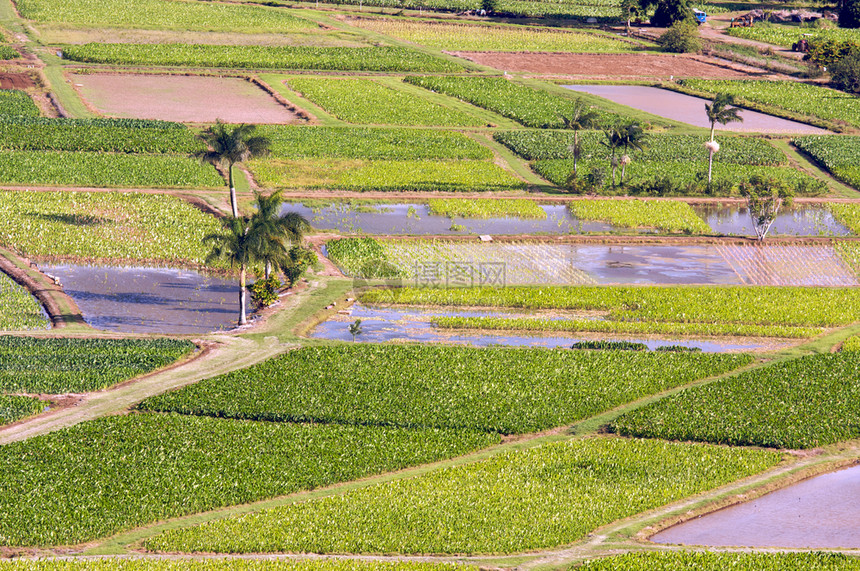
(838, 154)
(803, 403)
(489, 390)
(15, 407)
(105, 226)
(642, 177)
(802, 98)
(53, 168)
(366, 101)
(663, 215)
(786, 36)
(468, 37)
(19, 311)
(97, 135)
(56, 365)
(163, 14)
(361, 175)
(852, 344)
(847, 214)
(710, 561)
(546, 145)
(527, 105)
(16, 103)
(8, 52)
(537, 498)
(486, 208)
(382, 58)
(227, 564)
(575, 325)
(97, 478)
(293, 142)
(791, 306)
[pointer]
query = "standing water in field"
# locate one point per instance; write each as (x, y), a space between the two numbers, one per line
(820, 513)
(150, 300)
(385, 324)
(691, 110)
(416, 219)
(801, 220)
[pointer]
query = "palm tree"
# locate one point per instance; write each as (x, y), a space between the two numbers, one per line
(581, 116)
(234, 246)
(231, 145)
(612, 140)
(633, 137)
(719, 112)
(273, 234)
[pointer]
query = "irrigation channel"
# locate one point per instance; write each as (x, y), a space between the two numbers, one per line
(149, 300)
(416, 219)
(690, 110)
(397, 324)
(820, 513)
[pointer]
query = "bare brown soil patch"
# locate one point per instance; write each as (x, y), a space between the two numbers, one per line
(188, 99)
(16, 81)
(604, 65)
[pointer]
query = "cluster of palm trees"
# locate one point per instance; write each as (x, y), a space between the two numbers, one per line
(266, 237)
(631, 136)
(628, 136)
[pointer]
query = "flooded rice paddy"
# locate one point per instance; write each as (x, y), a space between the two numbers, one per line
(398, 324)
(149, 300)
(690, 110)
(415, 219)
(820, 513)
(437, 263)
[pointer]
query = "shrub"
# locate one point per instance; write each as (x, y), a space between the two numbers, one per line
(845, 73)
(300, 259)
(681, 38)
(849, 14)
(265, 292)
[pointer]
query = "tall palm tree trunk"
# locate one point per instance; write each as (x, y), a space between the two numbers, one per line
(710, 164)
(233, 205)
(242, 296)
(575, 148)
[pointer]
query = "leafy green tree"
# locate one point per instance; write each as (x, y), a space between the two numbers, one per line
(681, 38)
(273, 234)
(765, 196)
(235, 246)
(845, 73)
(231, 145)
(581, 116)
(720, 111)
(299, 259)
(632, 137)
(629, 9)
(667, 12)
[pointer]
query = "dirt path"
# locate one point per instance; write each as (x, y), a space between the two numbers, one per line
(224, 355)
(715, 34)
(60, 307)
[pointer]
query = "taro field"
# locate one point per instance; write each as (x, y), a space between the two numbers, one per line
(555, 338)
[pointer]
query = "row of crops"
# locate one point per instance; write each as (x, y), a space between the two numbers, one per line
(512, 502)
(491, 390)
(465, 37)
(376, 58)
(69, 365)
(18, 309)
(786, 36)
(16, 407)
(99, 227)
(802, 403)
(839, 155)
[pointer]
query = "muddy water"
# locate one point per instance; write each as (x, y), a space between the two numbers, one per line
(149, 300)
(821, 513)
(415, 219)
(385, 324)
(798, 221)
(690, 110)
